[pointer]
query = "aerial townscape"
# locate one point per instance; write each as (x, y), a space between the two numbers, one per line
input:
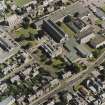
(52, 52)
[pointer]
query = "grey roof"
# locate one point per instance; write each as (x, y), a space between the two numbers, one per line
(99, 13)
(85, 33)
(72, 54)
(97, 40)
(83, 50)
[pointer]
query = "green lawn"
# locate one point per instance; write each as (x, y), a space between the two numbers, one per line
(99, 22)
(57, 62)
(103, 8)
(67, 30)
(20, 3)
(25, 42)
(25, 32)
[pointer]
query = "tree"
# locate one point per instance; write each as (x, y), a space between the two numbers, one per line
(32, 6)
(31, 37)
(67, 19)
(59, 23)
(96, 53)
(33, 25)
(76, 14)
(26, 22)
(76, 67)
(27, 46)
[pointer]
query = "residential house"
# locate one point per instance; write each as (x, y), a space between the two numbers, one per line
(84, 91)
(3, 87)
(54, 82)
(8, 101)
(2, 6)
(39, 92)
(16, 78)
(20, 100)
(31, 98)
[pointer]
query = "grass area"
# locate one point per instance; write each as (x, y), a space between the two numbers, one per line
(57, 62)
(20, 3)
(99, 22)
(24, 35)
(25, 32)
(67, 30)
(14, 104)
(103, 8)
(25, 42)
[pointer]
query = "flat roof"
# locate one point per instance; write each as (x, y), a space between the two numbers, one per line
(98, 39)
(85, 32)
(83, 50)
(72, 54)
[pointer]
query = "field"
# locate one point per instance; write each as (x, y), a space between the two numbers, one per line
(67, 30)
(25, 32)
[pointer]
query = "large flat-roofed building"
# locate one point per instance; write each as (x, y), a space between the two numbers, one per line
(83, 52)
(8, 47)
(54, 31)
(85, 35)
(98, 41)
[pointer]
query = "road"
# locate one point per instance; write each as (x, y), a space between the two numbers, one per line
(71, 81)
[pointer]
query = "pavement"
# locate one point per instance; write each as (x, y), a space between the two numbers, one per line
(96, 2)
